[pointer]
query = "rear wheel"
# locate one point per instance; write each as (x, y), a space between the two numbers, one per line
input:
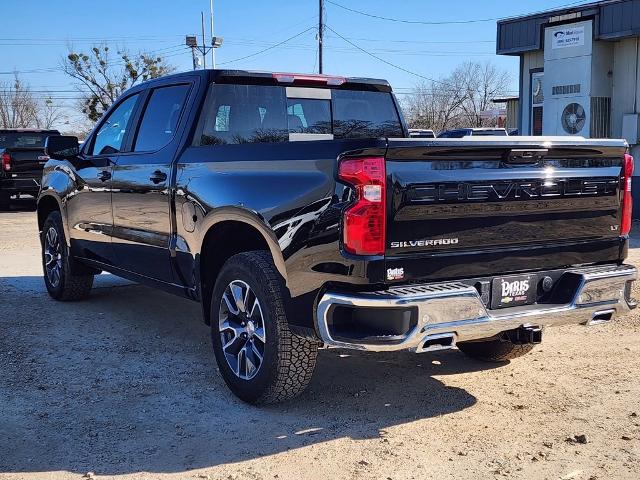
(495, 350)
(61, 282)
(259, 358)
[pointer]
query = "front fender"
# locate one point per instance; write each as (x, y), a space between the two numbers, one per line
(56, 185)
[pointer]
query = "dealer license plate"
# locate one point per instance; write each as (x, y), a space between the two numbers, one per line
(513, 291)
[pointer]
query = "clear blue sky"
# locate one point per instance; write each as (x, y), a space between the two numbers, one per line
(35, 35)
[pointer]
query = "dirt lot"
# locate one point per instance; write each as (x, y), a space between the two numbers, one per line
(125, 384)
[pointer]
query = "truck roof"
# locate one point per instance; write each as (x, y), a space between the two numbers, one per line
(27, 130)
(286, 78)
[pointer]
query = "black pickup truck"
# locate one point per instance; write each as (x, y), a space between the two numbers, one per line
(22, 154)
(297, 211)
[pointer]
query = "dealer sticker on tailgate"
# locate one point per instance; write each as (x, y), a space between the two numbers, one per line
(513, 291)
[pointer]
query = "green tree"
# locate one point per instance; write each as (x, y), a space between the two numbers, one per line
(103, 77)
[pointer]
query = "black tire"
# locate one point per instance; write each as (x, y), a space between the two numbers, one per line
(495, 350)
(67, 285)
(287, 361)
(5, 201)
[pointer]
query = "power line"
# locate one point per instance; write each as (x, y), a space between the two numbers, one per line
(412, 41)
(420, 22)
(268, 48)
(415, 22)
(379, 58)
(387, 62)
(172, 53)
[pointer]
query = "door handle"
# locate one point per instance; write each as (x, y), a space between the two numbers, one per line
(104, 175)
(158, 177)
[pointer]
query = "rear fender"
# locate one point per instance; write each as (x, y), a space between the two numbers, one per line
(251, 218)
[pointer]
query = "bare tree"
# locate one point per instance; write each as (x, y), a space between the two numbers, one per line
(482, 82)
(458, 100)
(102, 77)
(433, 105)
(18, 107)
(49, 114)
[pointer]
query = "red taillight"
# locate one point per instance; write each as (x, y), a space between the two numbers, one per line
(364, 225)
(6, 162)
(627, 203)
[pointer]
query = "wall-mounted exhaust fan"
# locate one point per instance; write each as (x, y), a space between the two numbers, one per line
(573, 118)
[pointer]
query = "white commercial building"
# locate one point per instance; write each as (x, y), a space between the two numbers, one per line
(579, 72)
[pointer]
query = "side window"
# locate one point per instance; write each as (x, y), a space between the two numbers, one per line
(109, 138)
(306, 115)
(160, 118)
(244, 114)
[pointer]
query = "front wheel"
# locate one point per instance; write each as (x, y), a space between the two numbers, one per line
(495, 350)
(259, 358)
(61, 282)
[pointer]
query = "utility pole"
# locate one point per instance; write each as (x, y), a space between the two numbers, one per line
(213, 50)
(320, 33)
(204, 43)
(192, 42)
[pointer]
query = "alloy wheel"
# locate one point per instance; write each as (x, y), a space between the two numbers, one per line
(242, 329)
(53, 256)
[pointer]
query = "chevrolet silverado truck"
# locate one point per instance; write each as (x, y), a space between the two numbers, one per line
(299, 214)
(23, 158)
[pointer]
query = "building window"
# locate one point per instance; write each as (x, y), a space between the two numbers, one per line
(537, 100)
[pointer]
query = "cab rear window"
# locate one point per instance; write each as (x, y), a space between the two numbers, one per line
(359, 114)
(235, 114)
(22, 140)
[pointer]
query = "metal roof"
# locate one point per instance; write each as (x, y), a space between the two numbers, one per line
(613, 19)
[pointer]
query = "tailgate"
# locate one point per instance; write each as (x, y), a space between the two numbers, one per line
(27, 162)
(462, 208)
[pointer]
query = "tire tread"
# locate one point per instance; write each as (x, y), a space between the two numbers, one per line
(74, 286)
(293, 368)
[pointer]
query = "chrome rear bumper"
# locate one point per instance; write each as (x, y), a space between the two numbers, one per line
(455, 311)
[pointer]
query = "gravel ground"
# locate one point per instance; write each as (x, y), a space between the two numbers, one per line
(125, 384)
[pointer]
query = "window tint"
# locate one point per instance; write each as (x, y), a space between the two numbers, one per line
(160, 117)
(112, 132)
(364, 115)
(244, 114)
(308, 115)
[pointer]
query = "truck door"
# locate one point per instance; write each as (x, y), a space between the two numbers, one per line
(141, 186)
(89, 210)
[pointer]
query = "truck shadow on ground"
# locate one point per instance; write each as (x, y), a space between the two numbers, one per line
(126, 382)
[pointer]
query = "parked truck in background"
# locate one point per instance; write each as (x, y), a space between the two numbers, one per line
(22, 160)
(297, 211)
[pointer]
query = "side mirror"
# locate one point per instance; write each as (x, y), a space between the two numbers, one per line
(61, 147)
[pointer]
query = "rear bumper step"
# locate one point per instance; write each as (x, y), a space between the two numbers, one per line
(435, 316)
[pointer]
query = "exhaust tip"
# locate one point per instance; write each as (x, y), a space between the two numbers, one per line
(432, 343)
(602, 316)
